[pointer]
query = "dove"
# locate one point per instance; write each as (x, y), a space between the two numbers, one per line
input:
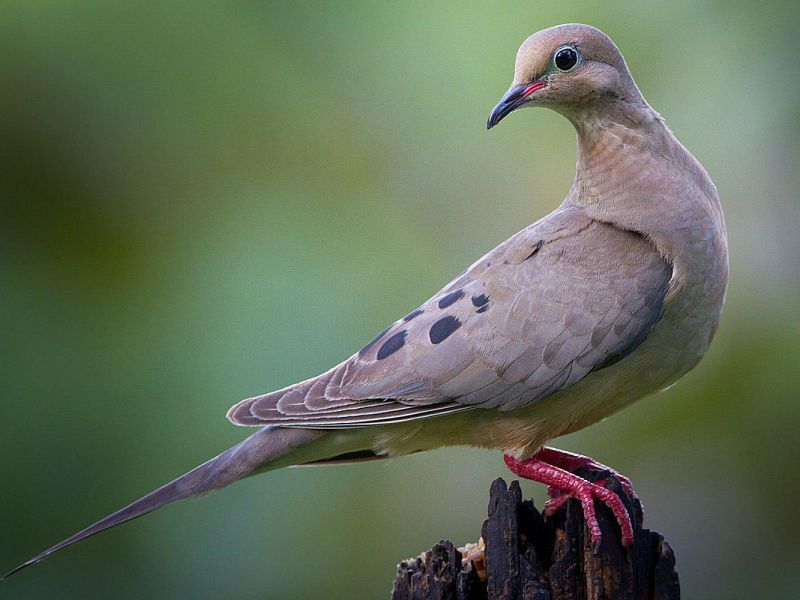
(611, 297)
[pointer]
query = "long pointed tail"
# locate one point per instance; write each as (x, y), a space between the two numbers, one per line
(263, 447)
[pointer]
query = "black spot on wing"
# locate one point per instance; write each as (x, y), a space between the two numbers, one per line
(443, 328)
(413, 314)
(392, 345)
(450, 298)
(480, 300)
(374, 341)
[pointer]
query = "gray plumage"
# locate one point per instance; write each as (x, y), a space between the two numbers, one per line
(566, 296)
(613, 296)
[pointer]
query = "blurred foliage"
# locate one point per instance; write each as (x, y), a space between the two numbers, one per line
(202, 201)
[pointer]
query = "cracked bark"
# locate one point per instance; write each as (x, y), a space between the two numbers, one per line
(528, 558)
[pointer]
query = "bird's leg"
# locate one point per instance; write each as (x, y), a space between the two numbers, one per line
(567, 485)
(572, 462)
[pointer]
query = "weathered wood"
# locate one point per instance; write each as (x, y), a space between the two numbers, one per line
(528, 558)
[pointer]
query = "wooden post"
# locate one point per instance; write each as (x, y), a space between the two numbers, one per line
(528, 558)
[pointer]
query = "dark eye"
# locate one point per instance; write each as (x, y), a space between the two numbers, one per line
(565, 58)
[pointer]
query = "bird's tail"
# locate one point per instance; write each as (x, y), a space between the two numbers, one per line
(260, 451)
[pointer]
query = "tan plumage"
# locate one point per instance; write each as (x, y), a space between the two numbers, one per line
(540, 324)
(622, 287)
(611, 297)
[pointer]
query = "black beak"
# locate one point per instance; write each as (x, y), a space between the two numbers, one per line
(513, 99)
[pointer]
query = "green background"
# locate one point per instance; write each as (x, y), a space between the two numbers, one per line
(203, 201)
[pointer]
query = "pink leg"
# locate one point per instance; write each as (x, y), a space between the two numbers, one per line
(574, 486)
(571, 462)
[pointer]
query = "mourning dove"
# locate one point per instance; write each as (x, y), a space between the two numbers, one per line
(613, 296)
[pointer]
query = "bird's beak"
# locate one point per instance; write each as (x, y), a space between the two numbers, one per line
(513, 99)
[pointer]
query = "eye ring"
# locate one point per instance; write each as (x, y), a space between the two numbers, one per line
(566, 58)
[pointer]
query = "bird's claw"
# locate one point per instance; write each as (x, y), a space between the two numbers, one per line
(563, 485)
(572, 462)
(587, 493)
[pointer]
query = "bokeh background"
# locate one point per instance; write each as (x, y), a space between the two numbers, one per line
(203, 201)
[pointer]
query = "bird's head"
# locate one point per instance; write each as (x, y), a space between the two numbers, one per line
(573, 69)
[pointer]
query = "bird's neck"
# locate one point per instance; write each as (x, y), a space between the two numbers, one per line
(633, 173)
(614, 144)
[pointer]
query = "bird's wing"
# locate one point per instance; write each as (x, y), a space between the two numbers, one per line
(562, 298)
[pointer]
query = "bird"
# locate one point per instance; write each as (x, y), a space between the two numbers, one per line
(611, 297)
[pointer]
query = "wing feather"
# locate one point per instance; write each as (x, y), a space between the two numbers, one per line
(562, 298)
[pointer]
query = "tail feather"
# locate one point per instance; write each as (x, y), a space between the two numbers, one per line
(237, 462)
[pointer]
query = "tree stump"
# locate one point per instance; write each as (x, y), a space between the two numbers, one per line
(528, 558)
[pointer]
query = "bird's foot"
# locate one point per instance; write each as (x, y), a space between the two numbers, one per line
(571, 462)
(564, 485)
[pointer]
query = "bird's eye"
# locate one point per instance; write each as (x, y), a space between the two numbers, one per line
(565, 58)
